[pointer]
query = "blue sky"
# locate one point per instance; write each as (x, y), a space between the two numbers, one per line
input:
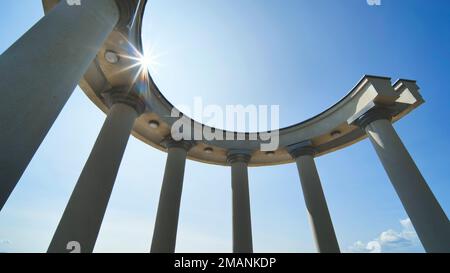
(301, 55)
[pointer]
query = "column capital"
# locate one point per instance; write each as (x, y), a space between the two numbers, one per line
(371, 113)
(234, 156)
(301, 149)
(117, 95)
(169, 142)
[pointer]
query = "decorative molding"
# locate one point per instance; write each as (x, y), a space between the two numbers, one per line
(116, 95)
(302, 149)
(371, 113)
(241, 156)
(169, 143)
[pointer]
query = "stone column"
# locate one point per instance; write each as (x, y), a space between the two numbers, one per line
(319, 216)
(84, 213)
(427, 216)
(39, 73)
(242, 226)
(165, 232)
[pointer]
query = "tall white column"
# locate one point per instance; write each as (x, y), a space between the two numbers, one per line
(242, 226)
(84, 213)
(427, 216)
(39, 73)
(165, 232)
(316, 204)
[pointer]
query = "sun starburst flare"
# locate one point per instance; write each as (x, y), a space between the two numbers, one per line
(141, 64)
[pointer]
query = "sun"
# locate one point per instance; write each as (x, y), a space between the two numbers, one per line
(148, 63)
(149, 60)
(142, 63)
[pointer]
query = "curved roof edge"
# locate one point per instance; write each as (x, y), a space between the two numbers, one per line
(328, 131)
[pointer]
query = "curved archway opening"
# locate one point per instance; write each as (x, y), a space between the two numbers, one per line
(253, 53)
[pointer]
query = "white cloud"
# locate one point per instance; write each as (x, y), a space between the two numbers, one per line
(5, 246)
(5, 242)
(391, 240)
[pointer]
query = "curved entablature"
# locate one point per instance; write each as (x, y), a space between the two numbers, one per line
(331, 130)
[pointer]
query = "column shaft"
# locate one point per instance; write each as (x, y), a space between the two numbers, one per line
(242, 226)
(84, 213)
(316, 205)
(427, 216)
(39, 73)
(165, 232)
